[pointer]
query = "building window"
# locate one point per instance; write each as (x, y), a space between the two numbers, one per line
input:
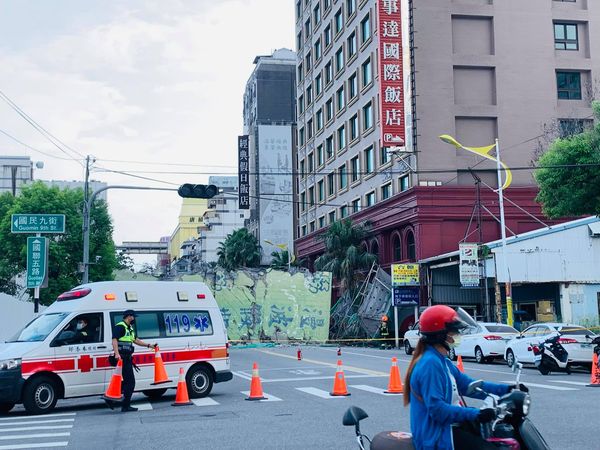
(327, 36)
(355, 166)
(311, 162)
(340, 99)
(318, 85)
(341, 138)
(367, 76)
(569, 85)
(329, 110)
(365, 29)
(307, 28)
(311, 196)
(370, 199)
(331, 217)
(317, 14)
(298, 9)
(570, 127)
(322, 222)
(318, 50)
(319, 117)
(385, 156)
(355, 205)
(350, 7)
(312, 226)
(303, 201)
(369, 160)
(331, 184)
(303, 230)
(301, 138)
(321, 190)
(386, 191)
(343, 177)
(300, 72)
(397, 247)
(351, 43)
(353, 127)
(308, 61)
(411, 248)
(565, 36)
(309, 125)
(339, 60)
(299, 41)
(352, 86)
(320, 155)
(328, 73)
(404, 183)
(338, 20)
(326, 4)
(329, 146)
(302, 169)
(344, 212)
(301, 104)
(367, 116)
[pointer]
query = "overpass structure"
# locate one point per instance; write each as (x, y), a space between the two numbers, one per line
(144, 248)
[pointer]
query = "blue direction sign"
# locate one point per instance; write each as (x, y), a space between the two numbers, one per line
(406, 295)
(37, 223)
(37, 261)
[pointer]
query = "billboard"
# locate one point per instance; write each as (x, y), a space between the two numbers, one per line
(405, 275)
(469, 265)
(391, 74)
(243, 173)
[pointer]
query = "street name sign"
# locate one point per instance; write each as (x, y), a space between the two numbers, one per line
(37, 223)
(37, 261)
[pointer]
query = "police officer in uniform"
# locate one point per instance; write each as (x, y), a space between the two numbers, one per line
(123, 339)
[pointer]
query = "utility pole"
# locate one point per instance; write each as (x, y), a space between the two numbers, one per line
(86, 222)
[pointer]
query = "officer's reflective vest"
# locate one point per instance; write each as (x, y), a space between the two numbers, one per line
(129, 336)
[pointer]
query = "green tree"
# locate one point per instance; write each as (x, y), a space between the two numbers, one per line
(571, 191)
(239, 249)
(65, 251)
(280, 260)
(344, 255)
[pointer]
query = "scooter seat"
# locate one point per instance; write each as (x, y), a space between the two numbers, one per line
(392, 440)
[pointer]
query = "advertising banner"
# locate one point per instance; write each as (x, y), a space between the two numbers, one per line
(469, 265)
(243, 173)
(405, 275)
(391, 74)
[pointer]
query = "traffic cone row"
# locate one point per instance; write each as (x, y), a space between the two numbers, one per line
(595, 379)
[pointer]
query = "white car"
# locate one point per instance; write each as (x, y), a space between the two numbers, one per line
(574, 338)
(411, 338)
(484, 342)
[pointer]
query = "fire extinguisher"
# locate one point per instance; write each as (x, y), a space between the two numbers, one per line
(339, 352)
(299, 354)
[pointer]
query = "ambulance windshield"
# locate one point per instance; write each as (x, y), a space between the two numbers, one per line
(39, 328)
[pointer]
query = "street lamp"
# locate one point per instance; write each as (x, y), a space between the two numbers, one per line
(282, 247)
(485, 153)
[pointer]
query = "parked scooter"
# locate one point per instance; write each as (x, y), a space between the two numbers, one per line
(551, 356)
(511, 430)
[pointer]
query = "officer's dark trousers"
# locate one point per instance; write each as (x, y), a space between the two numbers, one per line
(128, 379)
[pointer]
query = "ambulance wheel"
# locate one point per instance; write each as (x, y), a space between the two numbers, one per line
(154, 394)
(199, 381)
(40, 395)
(6, 407)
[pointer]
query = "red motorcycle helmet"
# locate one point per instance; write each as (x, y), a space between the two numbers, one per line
(439, 320)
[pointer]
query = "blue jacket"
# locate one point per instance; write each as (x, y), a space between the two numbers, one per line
(432, 416)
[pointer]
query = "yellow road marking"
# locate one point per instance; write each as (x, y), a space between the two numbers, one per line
(313, 361)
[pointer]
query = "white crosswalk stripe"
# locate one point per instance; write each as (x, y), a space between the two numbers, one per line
(46, 431)
(544, 386)
(206, 401)
(318, 392)
(269, 397)
(144, 406)
(574, 383)
(374, 390)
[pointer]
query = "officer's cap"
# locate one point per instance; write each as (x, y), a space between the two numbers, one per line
(129, 312)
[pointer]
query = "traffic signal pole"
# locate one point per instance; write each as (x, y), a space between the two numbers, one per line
(86, 222)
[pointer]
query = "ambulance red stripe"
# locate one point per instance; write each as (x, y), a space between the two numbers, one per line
(53, 365)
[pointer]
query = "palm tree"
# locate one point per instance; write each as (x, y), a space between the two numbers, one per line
(239, 249)
(344, 255)
(280, 259)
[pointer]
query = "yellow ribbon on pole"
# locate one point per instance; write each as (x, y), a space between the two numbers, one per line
(481, 151)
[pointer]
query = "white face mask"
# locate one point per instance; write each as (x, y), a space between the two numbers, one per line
(80, 325)
(457, 339)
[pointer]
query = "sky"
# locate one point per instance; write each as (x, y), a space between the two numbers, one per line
(154, 81)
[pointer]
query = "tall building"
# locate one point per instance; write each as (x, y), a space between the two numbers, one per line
(15, 171)
(405, 72)
(188, 228)
(269, 122)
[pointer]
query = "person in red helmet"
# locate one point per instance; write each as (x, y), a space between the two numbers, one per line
(433, 387)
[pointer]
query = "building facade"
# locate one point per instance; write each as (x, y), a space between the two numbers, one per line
(480, 70)
(190, 220)
(15, 171)
(269, 121)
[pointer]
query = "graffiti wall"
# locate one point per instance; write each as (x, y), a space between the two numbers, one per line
(256, 304)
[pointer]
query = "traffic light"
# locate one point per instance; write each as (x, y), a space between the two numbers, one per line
(197, 190)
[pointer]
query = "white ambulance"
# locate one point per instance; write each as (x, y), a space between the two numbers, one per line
(49, 359)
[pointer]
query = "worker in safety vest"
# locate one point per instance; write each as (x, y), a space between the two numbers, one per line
(123, 338)
(384, 331)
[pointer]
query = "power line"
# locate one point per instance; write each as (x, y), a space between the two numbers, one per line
(33, 148)
(102, 169)
(156, 163)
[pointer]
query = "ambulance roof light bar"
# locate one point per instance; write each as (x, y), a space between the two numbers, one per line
(76, 293)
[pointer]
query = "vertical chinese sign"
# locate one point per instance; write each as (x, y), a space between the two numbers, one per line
(393, 131)
(469, 265)
(243, 173)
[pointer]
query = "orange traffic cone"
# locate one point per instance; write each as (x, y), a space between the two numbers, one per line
(395, 384)
(256, 392)
(339, 384)
(595, 380)
(459, 364)
(113, 393)
(182, 398)
(160, 374)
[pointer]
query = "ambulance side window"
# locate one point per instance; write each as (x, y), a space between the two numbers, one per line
(82, 329)
(146, 325)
